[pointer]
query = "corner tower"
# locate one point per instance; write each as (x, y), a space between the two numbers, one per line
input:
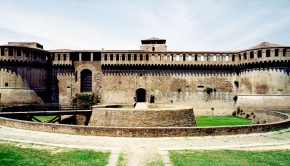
(153, 44)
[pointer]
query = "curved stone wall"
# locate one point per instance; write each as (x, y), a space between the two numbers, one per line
(24, 75)
(160, 116)
(284, 122)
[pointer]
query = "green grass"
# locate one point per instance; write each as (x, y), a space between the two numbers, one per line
(121, 160)
(11, 154)
(44, 118)
(155, 163)
(202, 121)
(227, 158)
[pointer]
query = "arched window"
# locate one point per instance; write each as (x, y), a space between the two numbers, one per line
(86, 81)
(153, 48)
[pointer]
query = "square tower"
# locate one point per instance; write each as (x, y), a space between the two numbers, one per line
(153, 44)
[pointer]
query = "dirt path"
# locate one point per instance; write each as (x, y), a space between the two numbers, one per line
(139, 151)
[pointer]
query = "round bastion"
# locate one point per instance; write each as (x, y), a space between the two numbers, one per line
(152, 116)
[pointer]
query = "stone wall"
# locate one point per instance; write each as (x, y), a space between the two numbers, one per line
(163, 116)
(185, 88)
(148, 131)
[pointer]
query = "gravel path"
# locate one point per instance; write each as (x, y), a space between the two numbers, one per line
(139, 151)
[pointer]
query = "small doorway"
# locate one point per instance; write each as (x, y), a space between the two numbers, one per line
(140, 95)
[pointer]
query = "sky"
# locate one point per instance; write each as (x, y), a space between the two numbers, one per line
(187, 25)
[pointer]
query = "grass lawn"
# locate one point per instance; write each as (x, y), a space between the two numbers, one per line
(227, 158)
(12, 154)
(44, 118)
(202, 121)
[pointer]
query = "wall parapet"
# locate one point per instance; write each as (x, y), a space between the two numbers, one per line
(148, 131)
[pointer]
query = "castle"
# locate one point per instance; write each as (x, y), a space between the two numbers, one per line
(206, 80)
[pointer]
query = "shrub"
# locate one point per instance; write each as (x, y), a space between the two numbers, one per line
(234, 113)
(247, 116)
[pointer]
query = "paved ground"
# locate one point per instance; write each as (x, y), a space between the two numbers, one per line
(139, 151)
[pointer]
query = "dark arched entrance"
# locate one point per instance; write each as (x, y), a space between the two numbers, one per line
(140, 95)
(86, 81)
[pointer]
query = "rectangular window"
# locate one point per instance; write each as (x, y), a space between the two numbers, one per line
(183, 57)
(117, 57)
(64, 57)
(268, 53)
(245, 55)
(58, 57)
(105, 57)
(97, 56)
(123, 57)
(251, 55)
(276, 52)
(135, 57)
(141, 57)
(111, 57)
(18, 52)
(129, 57)
(195, 57)
(233, 57)
(147, 57)
(5, 51)
(86, 56)
(259, 54)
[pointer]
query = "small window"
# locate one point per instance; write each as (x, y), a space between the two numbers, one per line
(135, 57)
(105, 57)
(195, 57)
(159, 57)
(6, 84)
(171, 57)
(245, 55)
(259, 54)
(111, 57)
(268, 53)
(276, 52)
(141, 57)
(117, 57)
(147, 57)
(153, 48)
(18, 52)
(252, 55)
(58, 57)
(64, 57)
(129, 57)
(53, 57)
(123, 57)
(183, 57)
(284, 52)
(233, 57)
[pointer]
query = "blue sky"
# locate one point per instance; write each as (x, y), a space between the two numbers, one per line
(120, 24)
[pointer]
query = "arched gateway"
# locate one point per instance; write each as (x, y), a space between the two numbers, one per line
(86, 81)
(140, 95)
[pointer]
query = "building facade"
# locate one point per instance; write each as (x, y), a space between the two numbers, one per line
(206, 80)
